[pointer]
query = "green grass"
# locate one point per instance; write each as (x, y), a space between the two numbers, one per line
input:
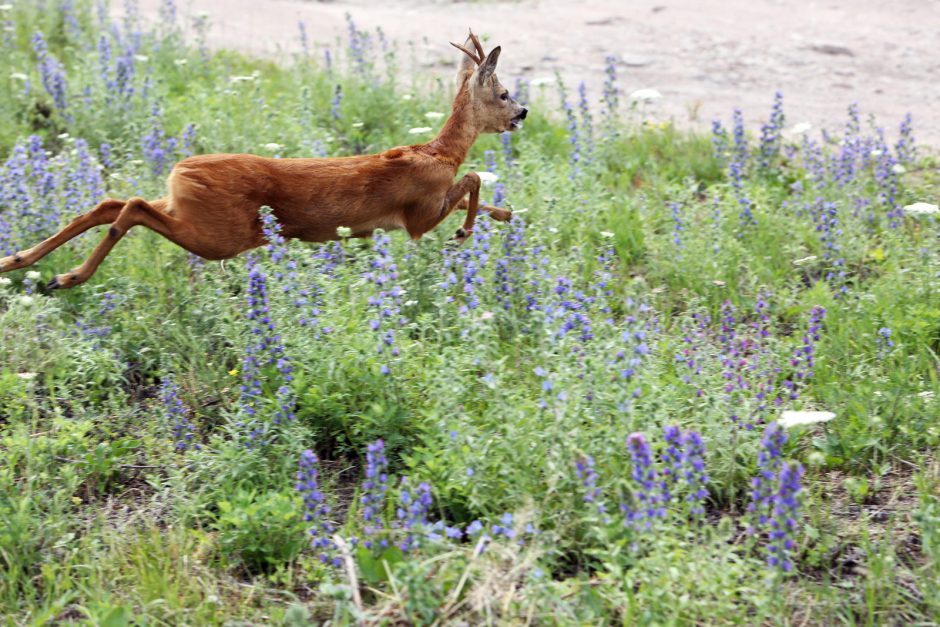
(493, 396)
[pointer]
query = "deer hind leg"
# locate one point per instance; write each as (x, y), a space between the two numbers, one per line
(136, 212)
(104, 213)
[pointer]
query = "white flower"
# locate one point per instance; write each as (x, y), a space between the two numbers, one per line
(272, 147)
(804, 260)
(486, 315)
(18, 76)
(876, 153)
(6, 7)
(552, 229)
(419, 130)
(26, 299)
(26, 375)
(4, 281)
(407, 97)
(181, 62)
(645, 95)
(542, 80)
(800, 128)
(434, 115)
(607, 234)
(33, 275)
(343, 231)
(141, 57)
(897, 168)
(921, 209)
(358, 124)
(487, 178)
(240, 79)
(791, 418)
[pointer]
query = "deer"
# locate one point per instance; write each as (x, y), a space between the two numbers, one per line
(213, 201)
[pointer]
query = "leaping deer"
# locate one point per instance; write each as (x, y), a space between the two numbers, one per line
(212, 208)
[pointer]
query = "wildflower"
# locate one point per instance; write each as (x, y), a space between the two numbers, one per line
(921, 209)
(374, 488)
(505, 528)
(783, 523)
(791, 418)
(542, 80)
(768, 464)
(885, 343)
(412, 512)
(315, 509)
(336, 104)
(648, 492)
(584, 467)
(488, 178)
(645, 95)
(418, 130)
(694, 471)
(175, 413)
(434, 115)
(800, 128)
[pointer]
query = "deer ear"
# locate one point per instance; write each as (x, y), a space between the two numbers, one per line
(488, 66)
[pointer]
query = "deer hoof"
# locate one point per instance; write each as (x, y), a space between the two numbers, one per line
(63, 281)
(459, 237)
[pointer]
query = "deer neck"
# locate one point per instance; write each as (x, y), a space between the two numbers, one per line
(458, 134)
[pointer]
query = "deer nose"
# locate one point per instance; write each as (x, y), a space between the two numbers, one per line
(523, 114)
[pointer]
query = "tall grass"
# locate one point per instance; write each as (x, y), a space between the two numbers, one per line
(570, 419)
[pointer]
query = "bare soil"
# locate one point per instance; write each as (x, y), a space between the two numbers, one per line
(706, 57)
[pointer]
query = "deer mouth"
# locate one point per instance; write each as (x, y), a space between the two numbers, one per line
(515, 124)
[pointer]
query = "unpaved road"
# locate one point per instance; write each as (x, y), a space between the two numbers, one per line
(705, 56)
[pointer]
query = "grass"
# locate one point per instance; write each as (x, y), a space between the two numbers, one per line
(659, 279)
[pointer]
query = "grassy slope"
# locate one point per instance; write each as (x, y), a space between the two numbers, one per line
(105, 521)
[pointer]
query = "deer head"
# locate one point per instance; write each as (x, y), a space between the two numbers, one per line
(493, 109)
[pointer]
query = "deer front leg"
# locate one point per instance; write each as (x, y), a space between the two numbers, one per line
(497, 213)
(420, 224)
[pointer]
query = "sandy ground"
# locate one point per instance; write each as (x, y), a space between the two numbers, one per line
(705, 56)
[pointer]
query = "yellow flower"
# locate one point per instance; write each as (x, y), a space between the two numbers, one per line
(233, 372)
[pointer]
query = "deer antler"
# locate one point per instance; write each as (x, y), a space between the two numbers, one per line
(476, 44)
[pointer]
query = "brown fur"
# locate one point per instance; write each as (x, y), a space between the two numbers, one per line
(212, 206)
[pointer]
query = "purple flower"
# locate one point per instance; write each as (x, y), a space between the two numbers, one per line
(412, 513)
(176, 415)
(372, 500)
(584, 468)
(648, 493)
(316, 511)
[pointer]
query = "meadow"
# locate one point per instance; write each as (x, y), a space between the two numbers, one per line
(577, 417)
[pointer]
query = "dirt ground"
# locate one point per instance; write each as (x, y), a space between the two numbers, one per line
(705, 56)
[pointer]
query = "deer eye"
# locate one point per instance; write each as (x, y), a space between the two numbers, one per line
(504, 96)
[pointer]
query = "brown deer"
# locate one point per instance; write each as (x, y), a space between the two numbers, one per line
(212, 206)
